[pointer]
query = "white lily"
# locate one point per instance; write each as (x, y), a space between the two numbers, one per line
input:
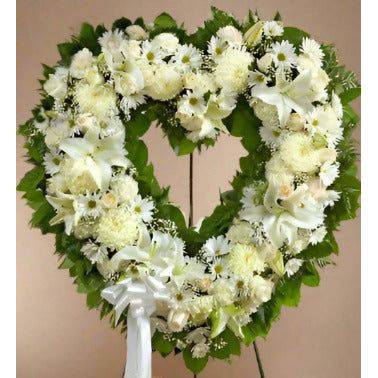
(64, 206)
(295, 95)
(97, 155)
(281, 221)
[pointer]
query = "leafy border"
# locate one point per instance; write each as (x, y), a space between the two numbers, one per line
(242, 123)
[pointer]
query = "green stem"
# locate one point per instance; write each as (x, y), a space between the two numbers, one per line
(259, 363)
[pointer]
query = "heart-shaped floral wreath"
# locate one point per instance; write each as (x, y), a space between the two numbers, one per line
(126, 246)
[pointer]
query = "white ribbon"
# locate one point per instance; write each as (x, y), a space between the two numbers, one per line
(140, 296)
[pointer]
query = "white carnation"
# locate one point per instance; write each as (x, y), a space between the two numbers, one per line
(56, 84)
(81, 62)
(292, 266)
(231, 35)
(165, 83)
(136, 32)
(232, 70)
(168, 42)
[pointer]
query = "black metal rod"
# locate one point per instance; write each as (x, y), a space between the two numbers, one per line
(259, 363)
(191, 190)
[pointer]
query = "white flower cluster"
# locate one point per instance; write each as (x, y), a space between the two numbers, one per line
(92, 187)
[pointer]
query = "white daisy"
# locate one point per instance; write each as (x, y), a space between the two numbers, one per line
(292, 266)
(89, 205)
(283, 54)
(312, 50)
(94, 252)
(329, 172)
(218, 268)
(215, 246)
(151, 53)
(257, 78)
(216, 47)
(192, 103)
(52, 162)
(187, 58)
(111, 41)
(143, 208)
(272, 29)
(318, 235)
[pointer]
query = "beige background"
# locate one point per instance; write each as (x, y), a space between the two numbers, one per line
(57, 336)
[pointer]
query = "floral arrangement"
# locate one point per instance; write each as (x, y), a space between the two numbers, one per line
(206, 289)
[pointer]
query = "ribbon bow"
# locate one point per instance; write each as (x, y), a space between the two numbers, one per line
(141, 296)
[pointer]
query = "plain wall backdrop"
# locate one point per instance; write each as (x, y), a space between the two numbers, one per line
(57, 336)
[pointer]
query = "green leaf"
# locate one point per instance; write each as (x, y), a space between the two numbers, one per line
(161, 344)
(294, 36)
(288, 292)
(88, 38)
(121, 24)
(138, 154)
(94, 299)
(67, 50)
(349, 95)
(218, 221)
(231, 345)
(325, 248)
(196, 365)
(310, 275)
(31, 179)
(173, 213)
(186, 147)
(164, 21)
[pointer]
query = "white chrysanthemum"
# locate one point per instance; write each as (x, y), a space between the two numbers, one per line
(240, 233)
(94, 252)
(292, 266)
(167, 42)
(56, 84)
(312, 50)
(329, 172)
(110, 200)
(99, 100)
(224, 291)
(318, 235)
(277, 171)
(187, 58)
(132, 102)
(136, 32)
(52, 162)
(81, 62)
(200, 350)
(215, 246)
(165, 84)
(232, 70)
(273, 29)
(125, 188)
(266, 113)
(298, 152)
(111, 41)
(283, 54)
(218, 268)
(117, 228)
(200, 81)
(216, 47)
(142, 208)
(244, 260)
(89, 205)
(231, 35)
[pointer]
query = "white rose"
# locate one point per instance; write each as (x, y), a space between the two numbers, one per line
(56, 84)
(265, 62)
(168, 42)
(81, 62)
(165, 84)
(230, 35)
(136, 32)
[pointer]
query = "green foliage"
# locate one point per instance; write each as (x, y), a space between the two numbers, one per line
(203, 34)
(196, 365)
(231, 345)
(294, 36)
